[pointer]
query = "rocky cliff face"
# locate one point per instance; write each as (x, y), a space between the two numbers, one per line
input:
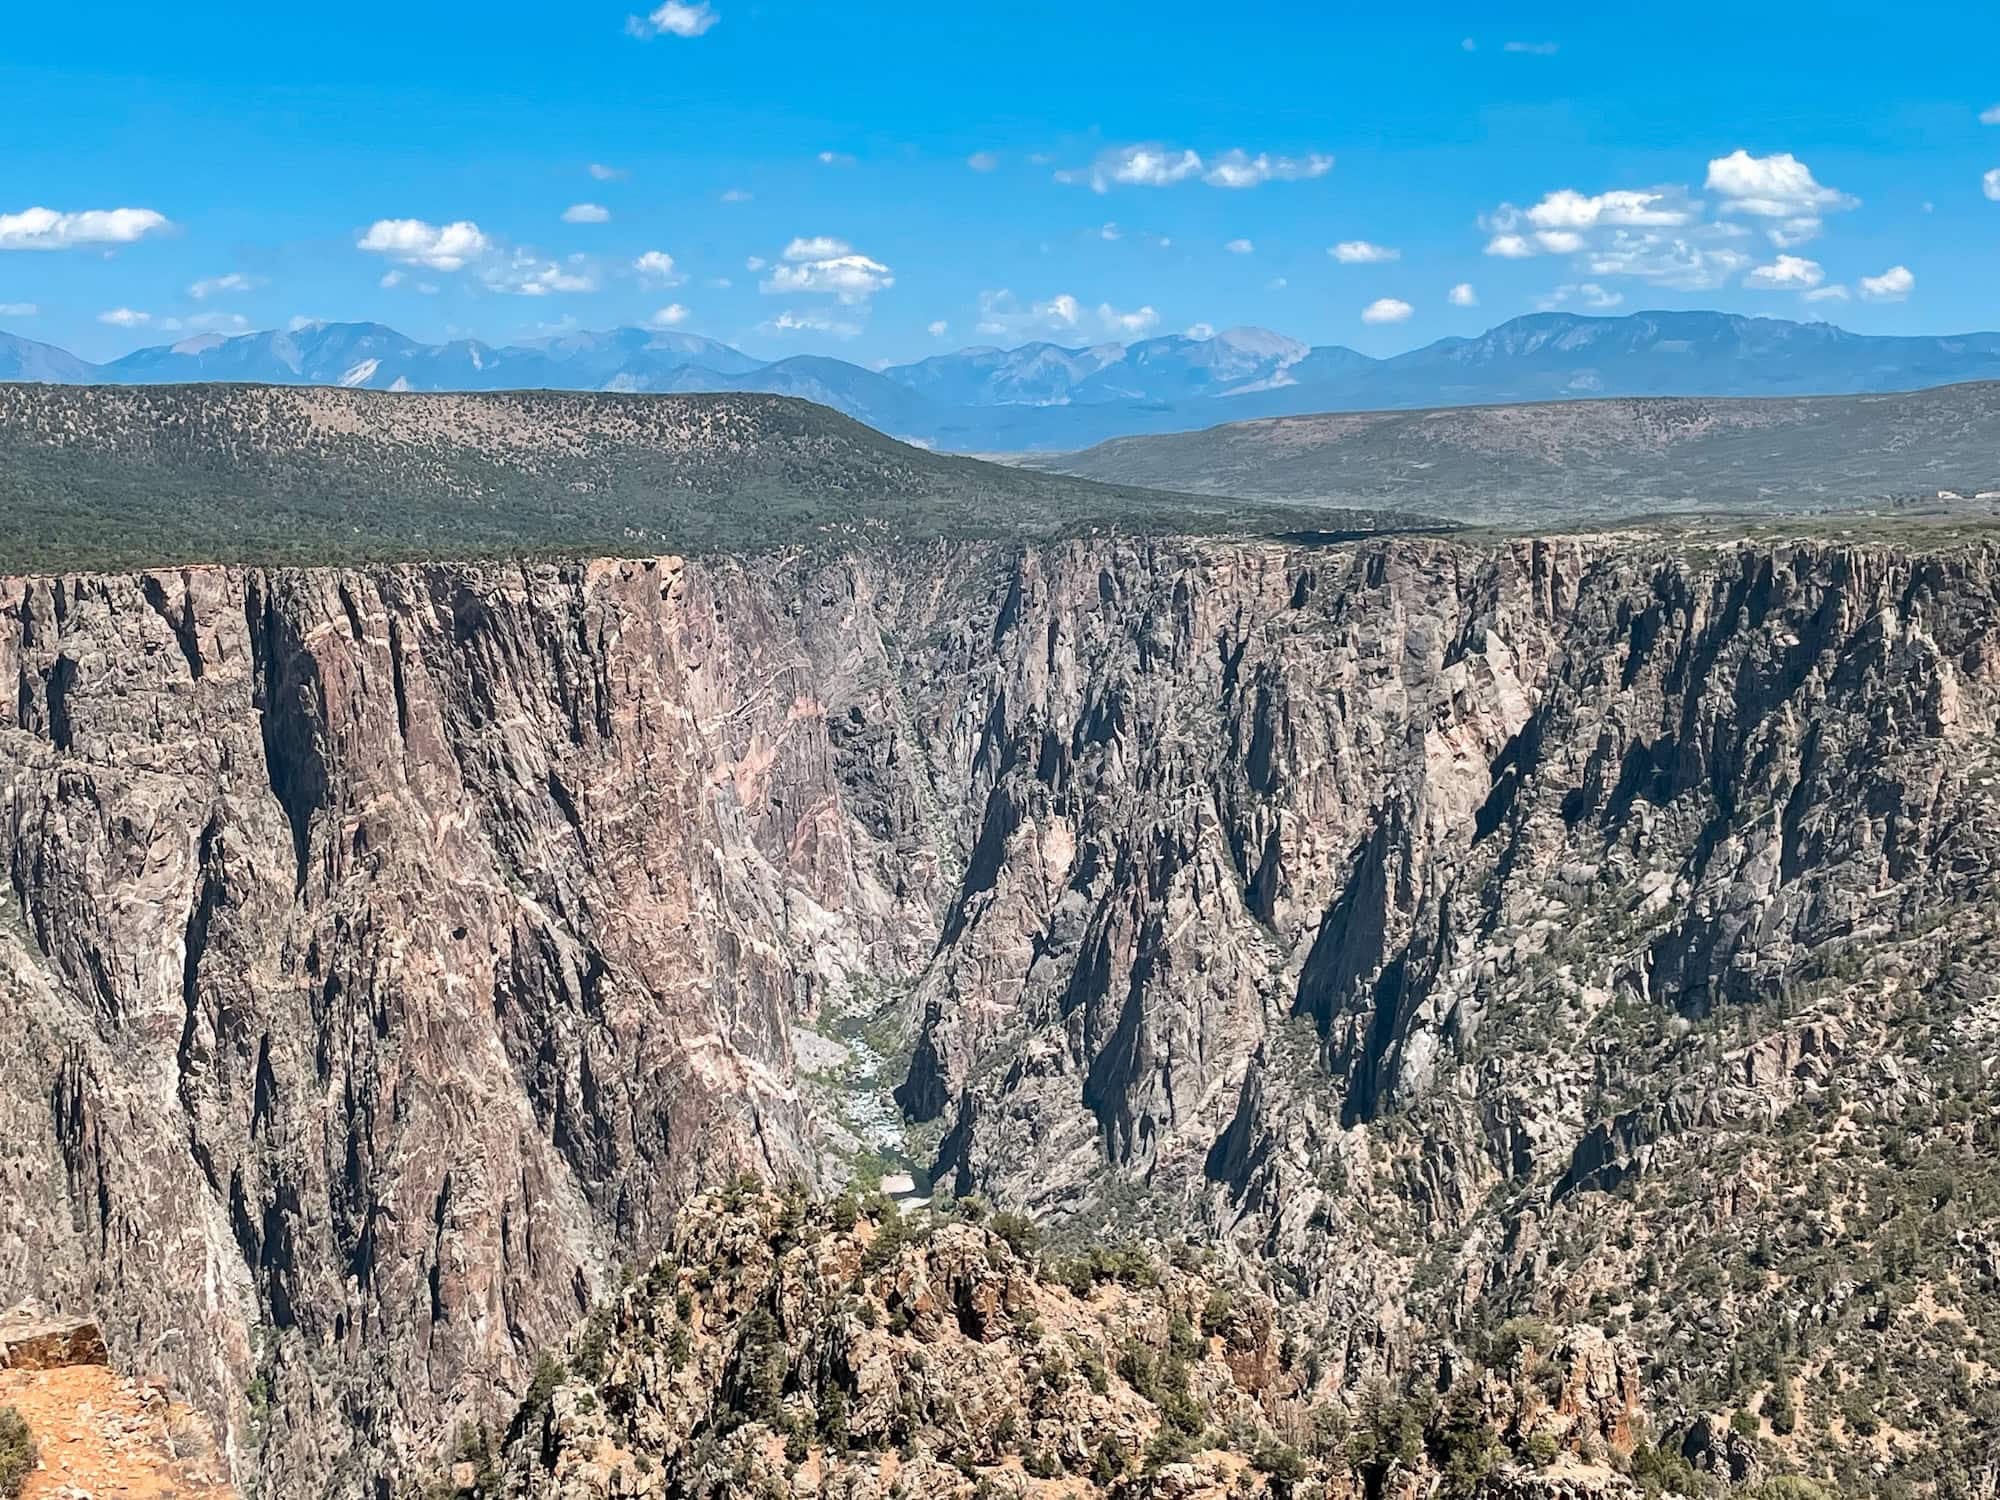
(1457, 931)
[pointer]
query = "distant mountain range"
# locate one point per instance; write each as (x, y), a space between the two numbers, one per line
(1050, 397)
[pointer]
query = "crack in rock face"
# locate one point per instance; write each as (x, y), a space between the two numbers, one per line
(393, 953)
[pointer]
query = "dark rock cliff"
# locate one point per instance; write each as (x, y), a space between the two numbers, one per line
(392, 952)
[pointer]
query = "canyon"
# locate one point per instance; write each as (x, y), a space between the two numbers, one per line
(1596, 927)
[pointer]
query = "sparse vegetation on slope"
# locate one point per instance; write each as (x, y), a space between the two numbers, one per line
(95, 477)
(1597, 459)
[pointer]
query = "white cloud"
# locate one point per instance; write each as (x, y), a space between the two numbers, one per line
(1203, 331)
(448, 247)
(983, 161)
(1468, 45)
(216, 286)
(835, 159)
(19, 310)
(670, 316)
(1362, 253)
(1238, 169)
(1990, 116)
(1893, 285)
(1788, 273)
(605, 173)
(1990, 184)
(736, 195)
(1778, 187)
(125, 317)
(524, 274)
(673, 19)
(754, 263)
(1834, 293)
(939, 329)
(1150, 164)
(218, 322)
(813, 322)
(657, 267)
(1110, 232)
(1387, 310)
(1652, 208)
(1534, 49)
(1276, 284)
(1589, 293)
(1001, 313)
(586, 213)
(1655, 234)
(46, 229)
(1463, 295)
(1677, 261)
(815, 247)
(1139, 320)
(1240, 247)
(850, 277)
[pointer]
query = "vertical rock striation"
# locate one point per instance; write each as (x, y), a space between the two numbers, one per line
(392, 951)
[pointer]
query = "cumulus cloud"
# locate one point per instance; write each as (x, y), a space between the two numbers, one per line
(1834, 293)
(524, 274)
(1463, 295)
(1589, 293)
(447, 247)
(1788, 273)
(586, 213)
(674, 18)
(670, 316)
(1990, 184)
(815, 247)
(1362, 253)
(217, 286)
(605, 173)
(1779, 188)
(46, 229)
(1151, 164)
(1000, 312)
(657, 267)
(939, 329)
(125, 317)
(982, 161)
(813, 322)
(1238, 169)
(835, 159)
(1893, 285)
(1658, 235)
(1387, 310)
(1139, 320)
(1240, 247)
(827, 266)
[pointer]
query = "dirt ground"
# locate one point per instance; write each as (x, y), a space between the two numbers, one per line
(103, 1437)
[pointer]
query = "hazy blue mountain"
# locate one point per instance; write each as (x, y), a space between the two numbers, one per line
(1045, 397)
(25, 359)
(1038, 374)
(1554, 355)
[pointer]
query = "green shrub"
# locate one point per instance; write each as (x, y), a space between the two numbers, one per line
(17, 1452)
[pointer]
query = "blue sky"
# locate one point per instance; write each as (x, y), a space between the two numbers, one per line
(881, 181)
